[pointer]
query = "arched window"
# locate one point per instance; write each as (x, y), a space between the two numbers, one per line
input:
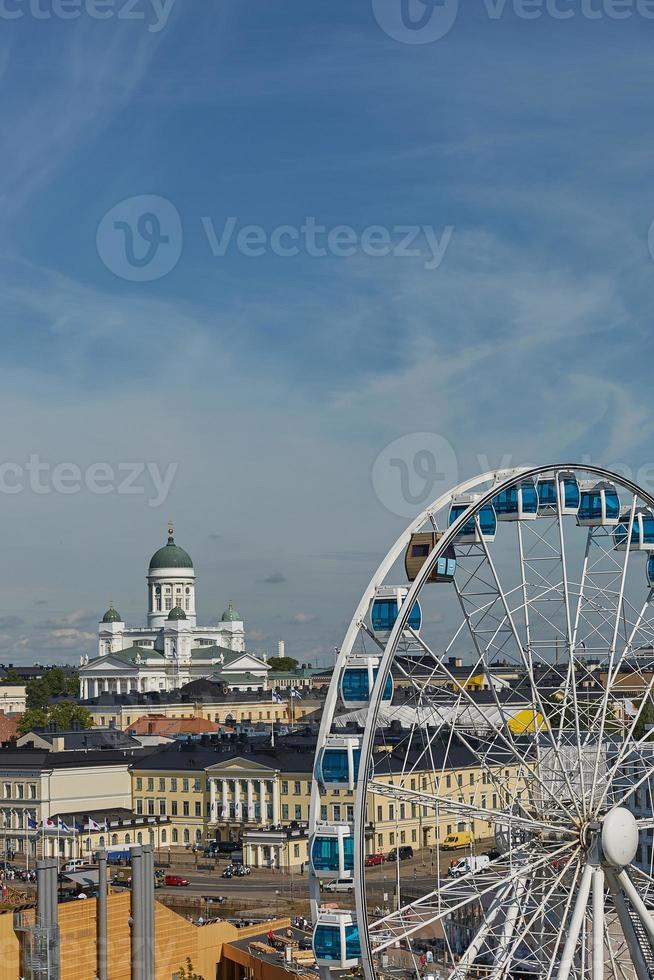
(175, 835)
(151, 836)
(89, 845)
(139, 838)
(101, 841)
(164, 836)
(198, 836)
(114, 838)
(187, 836)
(128, 839)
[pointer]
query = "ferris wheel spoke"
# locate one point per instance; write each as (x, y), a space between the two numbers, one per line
(434, 801)
(597, 972)
(416, 915)
(480, 938)
(507, 740)
(559, 935)
(618, 969)
(541, 912)
(576, 922)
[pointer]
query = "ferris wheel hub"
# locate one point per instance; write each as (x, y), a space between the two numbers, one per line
(619, 837)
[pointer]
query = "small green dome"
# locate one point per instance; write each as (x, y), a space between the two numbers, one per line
(230, 615)
(177, 613)
(170, 556)
(111, 616)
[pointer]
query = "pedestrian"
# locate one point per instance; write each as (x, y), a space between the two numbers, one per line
(271, 938)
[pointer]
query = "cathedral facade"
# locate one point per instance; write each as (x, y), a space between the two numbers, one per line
(172, 649)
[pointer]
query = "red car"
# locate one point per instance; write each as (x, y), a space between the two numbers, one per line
(175, 880)
(374, 859)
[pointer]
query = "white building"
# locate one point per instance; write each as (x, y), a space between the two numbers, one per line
(172, 649)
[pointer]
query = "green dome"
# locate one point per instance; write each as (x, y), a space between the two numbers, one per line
(170, 556)
(111, 616)
(177, 613)
(230, 615)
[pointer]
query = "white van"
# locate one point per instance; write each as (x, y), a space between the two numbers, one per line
(74, 865)
(468, 865)
(340, 885)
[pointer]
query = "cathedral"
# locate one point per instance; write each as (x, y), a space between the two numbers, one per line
(172, 649)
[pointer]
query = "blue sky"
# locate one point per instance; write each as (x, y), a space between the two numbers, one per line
(270, 384)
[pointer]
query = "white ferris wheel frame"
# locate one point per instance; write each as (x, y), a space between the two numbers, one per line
(591, 884)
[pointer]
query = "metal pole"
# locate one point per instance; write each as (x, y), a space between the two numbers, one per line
(598, 924)
(628, 930)
(102, 915)
(137, 914)
(567, 959)
(148, 916)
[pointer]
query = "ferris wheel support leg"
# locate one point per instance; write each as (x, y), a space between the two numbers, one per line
(627, 925)
(598, 924)
(634, 897)
(579, 911)
(475, 946)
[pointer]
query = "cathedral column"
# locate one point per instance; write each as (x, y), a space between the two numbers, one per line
(213, 816)
(118, 686)
(263, 801)
(237, 800)
(96, 688)
(250, 813)
(275, 796)
(225, 805)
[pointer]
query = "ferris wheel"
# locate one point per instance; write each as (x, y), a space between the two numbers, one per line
(482, 792)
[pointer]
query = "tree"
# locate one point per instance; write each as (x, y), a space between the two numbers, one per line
(13, 679)
(188, 973)
(646, 719)
(278, 664)
(32, 719)
(64, 715)
(53, 684)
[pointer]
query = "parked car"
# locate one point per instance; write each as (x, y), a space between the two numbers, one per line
(493, 854)
(463, 838)
(74, 865)
(468, 865)
(176, 880)
(373, 859)
(340, 885)
(404, 853)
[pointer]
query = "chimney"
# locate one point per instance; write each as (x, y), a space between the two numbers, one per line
(280, 649)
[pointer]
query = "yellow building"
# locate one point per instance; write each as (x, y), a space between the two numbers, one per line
(232, 708)
(225, 789)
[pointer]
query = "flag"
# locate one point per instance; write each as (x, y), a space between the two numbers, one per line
(32, 824)
(79, 827)
(48, 824)
(93, 825)
(295, 693)
(276, 697)
(62, 825)
(223, 813)
(237, 811)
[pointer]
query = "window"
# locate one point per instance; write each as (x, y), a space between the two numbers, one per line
(20, 791)
(298, 812)
(173, 784)
(32, 791)
(448, 782)
(285, 812)
(150, 783)
(198, 809)
(495, 801)
(391, 838)
(380, 841)
(139, 806)
(413, 784)
(402, 811)
(459, 780)
(349, 813)
(162, 784)
(164, 836)
(197, 786)
(414, 810)
(402, 837)
(139, 783)
(336, 810)
(175, 835)
(187, 836)
(297, 787)
(162, 808)
(380, 813)
(414, 836)
(185, 785)
(323, 812)
(150, 808)
(114, 839)
(296, 850)
(472, 779)
(128, 839)
(285, 786)
(173, 808)
(391, 811)
(185, 809)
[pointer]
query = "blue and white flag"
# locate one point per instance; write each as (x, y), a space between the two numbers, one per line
(295, 693)
(93, 825)
(31, 823)
(277, 698)
(62, 825)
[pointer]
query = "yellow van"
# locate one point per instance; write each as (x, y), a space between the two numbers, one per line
(455, 841)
